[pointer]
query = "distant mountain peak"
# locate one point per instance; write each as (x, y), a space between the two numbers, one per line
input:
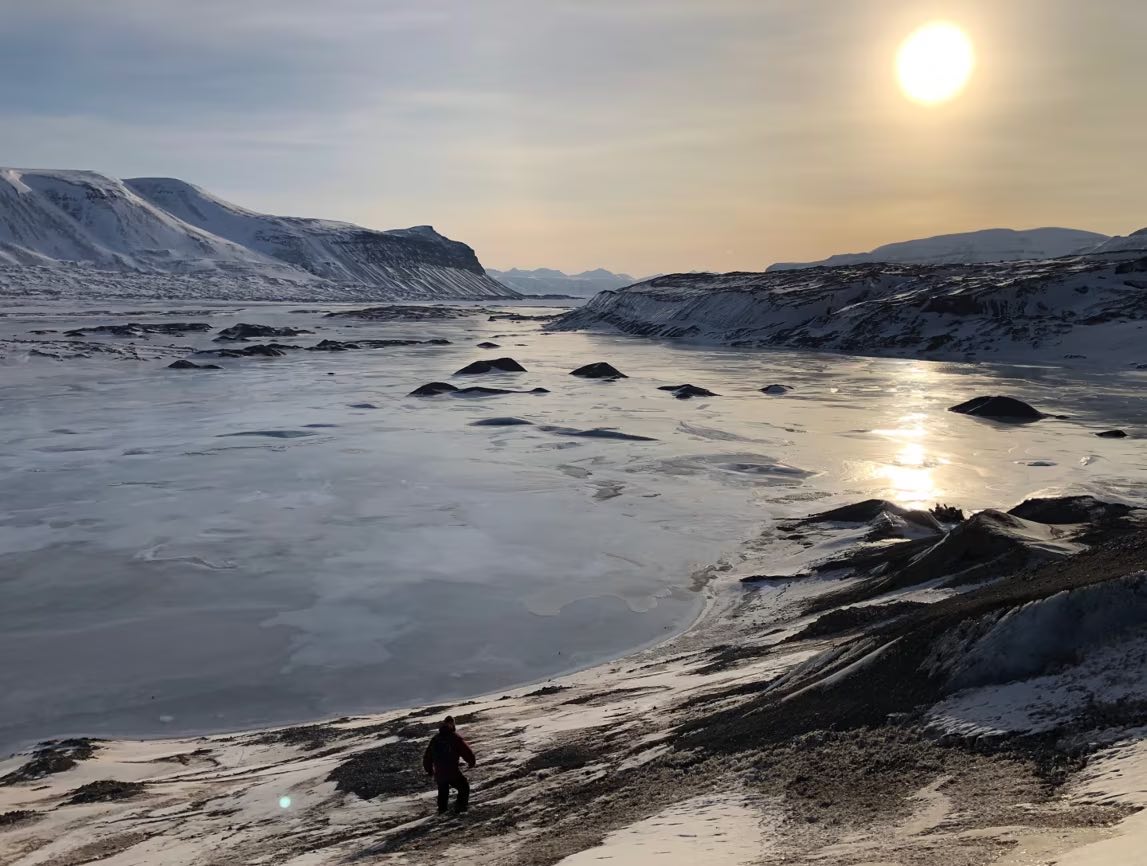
(547, 281)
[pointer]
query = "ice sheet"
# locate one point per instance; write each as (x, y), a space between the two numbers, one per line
(160, 575)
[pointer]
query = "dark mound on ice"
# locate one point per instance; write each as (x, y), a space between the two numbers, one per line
(272, 434)
(403, 313)
(245, 331)
(434, 389)
(341, 346)
(501, 422)
(183, 364)
(259, 350)
(599, 370)
(138, 329)
(502, 365)
(1000, 409)
(684, 392)
(597, 433)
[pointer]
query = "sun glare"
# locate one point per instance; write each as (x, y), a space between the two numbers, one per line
(934, 63)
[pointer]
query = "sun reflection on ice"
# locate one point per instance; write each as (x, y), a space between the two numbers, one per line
(910, 477)
(909, 472)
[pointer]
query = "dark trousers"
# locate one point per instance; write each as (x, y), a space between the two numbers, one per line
(458, 782)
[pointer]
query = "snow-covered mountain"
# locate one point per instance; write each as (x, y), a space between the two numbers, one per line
(546, 281)
(1090, 305)
(989, 245)
(55, 223)
(80, 216)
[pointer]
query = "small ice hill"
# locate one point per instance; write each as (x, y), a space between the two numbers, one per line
(546, 281)
(63, 230)
(1092, 306)
(966, 248)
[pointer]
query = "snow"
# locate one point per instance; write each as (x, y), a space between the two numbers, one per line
(986, 245)
(1118, 775)
(80, 232)
(717, 830)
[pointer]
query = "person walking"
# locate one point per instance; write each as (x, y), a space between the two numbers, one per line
(440, 760)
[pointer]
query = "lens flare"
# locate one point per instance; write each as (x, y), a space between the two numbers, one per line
(934, 63)
(284, 802)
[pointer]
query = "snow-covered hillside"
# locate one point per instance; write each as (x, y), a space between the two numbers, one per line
(546, 281)
(1093, 306)
(58, 225)
(989, 245)
(1134, 242)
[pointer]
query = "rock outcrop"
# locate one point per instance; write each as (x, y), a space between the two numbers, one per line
(245, 331)
(598, 370)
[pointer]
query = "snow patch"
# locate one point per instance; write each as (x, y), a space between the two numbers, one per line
(718, 830)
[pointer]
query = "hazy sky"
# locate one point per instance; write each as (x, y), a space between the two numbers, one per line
(637, 135)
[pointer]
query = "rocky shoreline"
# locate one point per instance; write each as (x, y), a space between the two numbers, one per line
(916, 688)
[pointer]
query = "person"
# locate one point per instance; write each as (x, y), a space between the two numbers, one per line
(440, 760)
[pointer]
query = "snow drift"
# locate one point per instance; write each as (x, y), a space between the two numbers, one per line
(57, 223)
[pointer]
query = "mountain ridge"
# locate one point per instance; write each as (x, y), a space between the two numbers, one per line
(54, 221)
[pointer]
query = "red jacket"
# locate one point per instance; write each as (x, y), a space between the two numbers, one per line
(444, 752)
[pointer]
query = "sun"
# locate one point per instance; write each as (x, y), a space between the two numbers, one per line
(934, 63)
